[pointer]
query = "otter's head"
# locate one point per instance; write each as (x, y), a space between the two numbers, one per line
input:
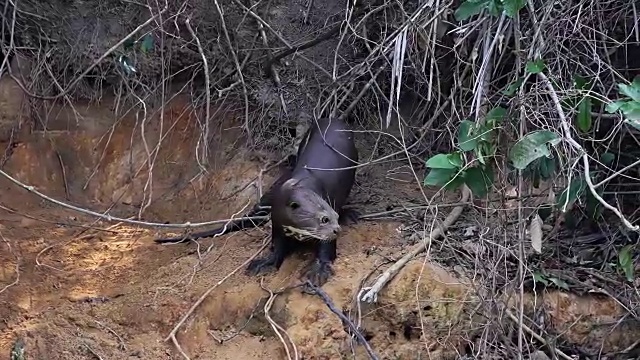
(306, 214)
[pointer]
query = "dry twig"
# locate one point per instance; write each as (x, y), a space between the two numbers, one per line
(345, 320)
(172, 334)
(277, 328)
(371, 294)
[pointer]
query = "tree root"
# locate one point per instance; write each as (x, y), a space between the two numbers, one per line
(371, 294)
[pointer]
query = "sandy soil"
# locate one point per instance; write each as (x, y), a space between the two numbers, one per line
(73, 286)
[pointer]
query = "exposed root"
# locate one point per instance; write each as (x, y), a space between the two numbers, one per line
(345, 320)
(371, 294)
(277, 328)
(17, 268)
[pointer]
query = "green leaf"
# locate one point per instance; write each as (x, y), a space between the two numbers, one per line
(607, 158)
(547, 167)
(486, 150)
(479, 180)
(559, 283)
(147, 43)
(632, 91)
(439, 177)
(539, 277)
(497, 114)
(456, 159)
(634, 123)
(444, 161)
(468, 9)
(535, 66)
(490, 148)
(625, 259)
(495, 7)
(571, 193)
(466, 138)
(535, 179)
(579, 82)
(531, 147)
(513, 87)
(455, 182)
(631, 111)
(484, 132)
(480, 156)
(512, 7)
(584, 114)
(614, 106)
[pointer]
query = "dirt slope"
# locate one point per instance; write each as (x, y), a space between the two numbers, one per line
(86, 288)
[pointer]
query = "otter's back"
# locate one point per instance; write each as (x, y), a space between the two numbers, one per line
(329, 145)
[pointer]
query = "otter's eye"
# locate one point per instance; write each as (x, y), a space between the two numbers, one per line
(294, 205)
(324, 219)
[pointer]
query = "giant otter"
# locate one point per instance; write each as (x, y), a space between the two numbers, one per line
(306, 201)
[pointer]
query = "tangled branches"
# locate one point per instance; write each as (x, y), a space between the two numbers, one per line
(415, 69)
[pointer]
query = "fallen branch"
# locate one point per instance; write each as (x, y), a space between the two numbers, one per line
(371, 294)
(110, 218)
(558, 352)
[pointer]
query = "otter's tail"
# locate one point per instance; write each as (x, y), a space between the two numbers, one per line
(235, 225)
(262, 208)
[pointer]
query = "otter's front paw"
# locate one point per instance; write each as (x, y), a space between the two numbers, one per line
(319, 272)
(261, 266)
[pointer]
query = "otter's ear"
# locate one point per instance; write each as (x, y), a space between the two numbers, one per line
(289, 184)
(287, 190)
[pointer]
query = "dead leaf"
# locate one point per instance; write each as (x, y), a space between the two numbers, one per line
(535, 230)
